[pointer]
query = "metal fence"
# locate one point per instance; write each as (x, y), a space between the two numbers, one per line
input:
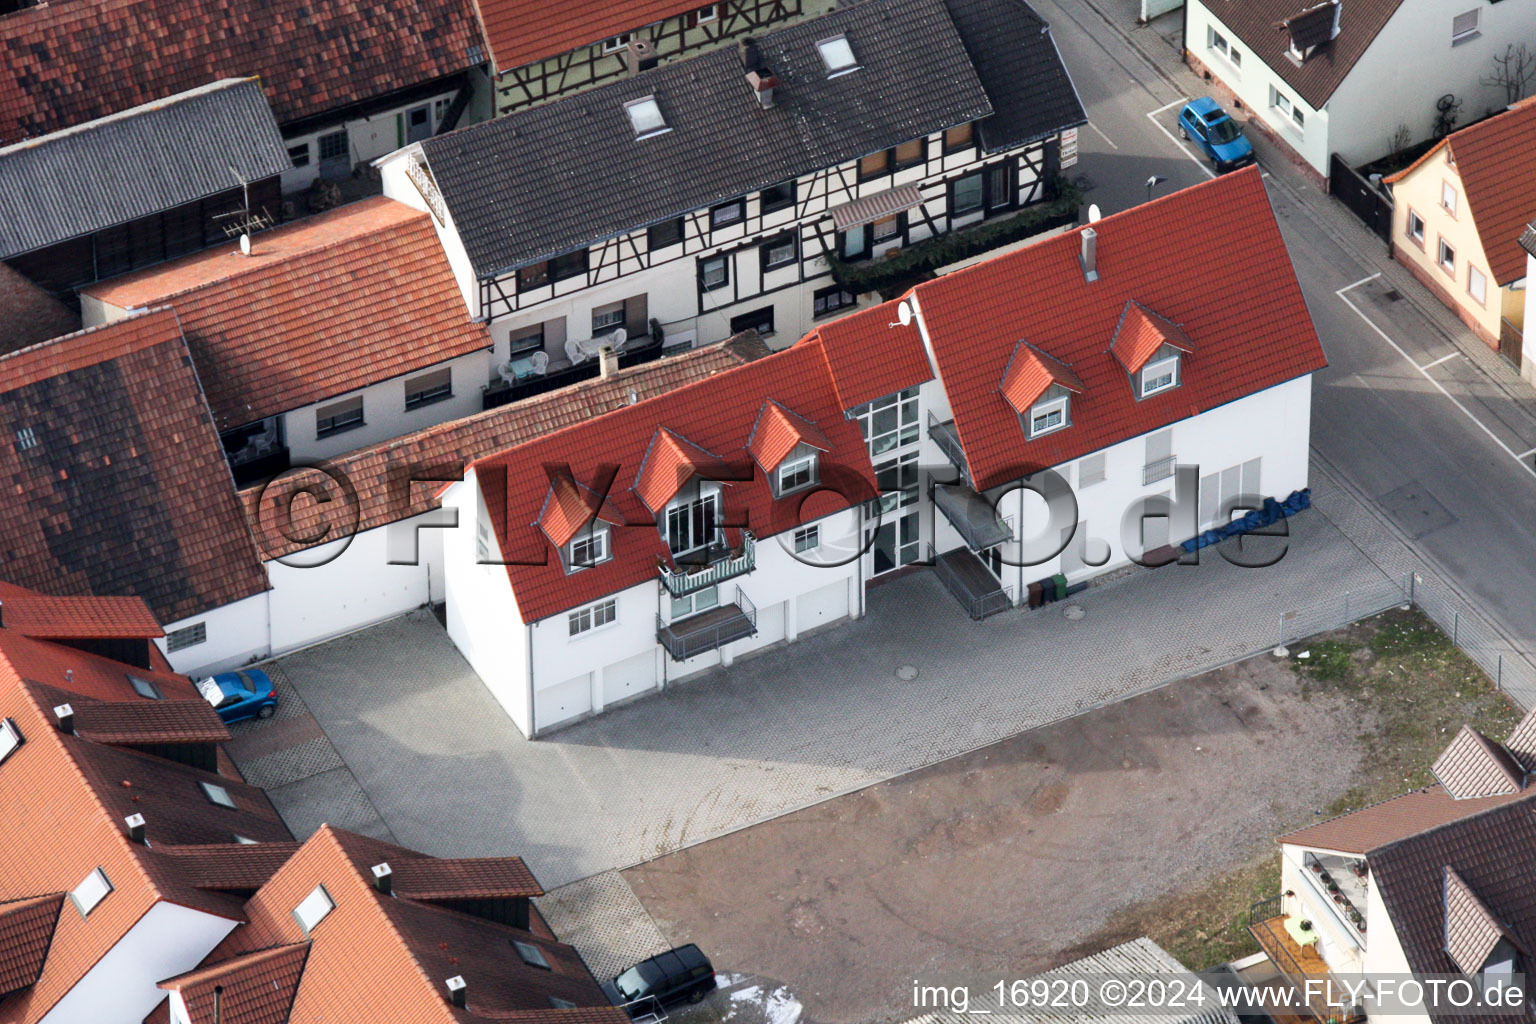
(1509, 668)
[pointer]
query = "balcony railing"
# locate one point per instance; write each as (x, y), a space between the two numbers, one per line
(730, 562)
(501, 393)
(948, 439)
(708, 631)
(1300, 965)
(971, 583)
(1158, 469)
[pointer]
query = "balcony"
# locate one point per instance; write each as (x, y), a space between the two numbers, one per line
(973, 516)
(971, 583)
(1299, 964)
(708, 568)
(559, 376)
(1340, 884)
(948, 439)
(708, 631)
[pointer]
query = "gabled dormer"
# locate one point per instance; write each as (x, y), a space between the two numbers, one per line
(1474, 766)
(680, 483)
(1039, 387)
(578, 522)
(1311, 28)
(1477, 939)
(787, 447)
(1151, 349)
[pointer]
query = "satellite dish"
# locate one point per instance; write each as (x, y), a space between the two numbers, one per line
(1093, 212)
(904, 313)
(245, 245)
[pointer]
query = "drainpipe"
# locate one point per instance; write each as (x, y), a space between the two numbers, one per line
(533, 722)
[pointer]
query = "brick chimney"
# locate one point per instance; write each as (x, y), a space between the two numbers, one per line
(607, 361)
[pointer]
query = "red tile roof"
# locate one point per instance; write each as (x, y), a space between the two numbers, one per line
(257, 988)
(30, 314)
(1522, 742)
(377, 471)
(1385, 823)
(650, 443)
(328, 305)
(1472, 765)
(1471, 929)
(570, 506)
(116, 481)
(67, 63)
(84, 617)
(872, 355)
(1142, 334)
(1496, 160)
(146, 721)
(26, 931)
(669, 464)
(522, 31)
(474, 878)
(1250, 338)
(229, 867)
(778, 432)
(1030, 374)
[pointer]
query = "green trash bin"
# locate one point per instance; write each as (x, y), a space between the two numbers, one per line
(1061, 586)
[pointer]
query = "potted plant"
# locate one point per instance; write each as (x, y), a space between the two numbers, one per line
(1317, 867)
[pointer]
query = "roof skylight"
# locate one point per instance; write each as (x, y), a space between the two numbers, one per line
(10, 738)
(91, 891)
(217, 794)
(314, 908)
(144, 687)
(837, 55)
(645, 117)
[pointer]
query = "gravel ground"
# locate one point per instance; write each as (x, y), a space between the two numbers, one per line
(989, 865)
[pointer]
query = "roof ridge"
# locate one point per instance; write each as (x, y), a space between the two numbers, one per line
(164, 102)
(1357, 810)
(1501, 802)
(332, 833)
(135, 314)
(238, 960)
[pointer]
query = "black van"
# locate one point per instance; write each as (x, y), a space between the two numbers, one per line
(684, 973)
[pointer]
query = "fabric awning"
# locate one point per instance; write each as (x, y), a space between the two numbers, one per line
(972, 515)
(881, 204)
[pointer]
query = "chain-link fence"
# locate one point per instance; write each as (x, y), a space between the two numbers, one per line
(1506, 665)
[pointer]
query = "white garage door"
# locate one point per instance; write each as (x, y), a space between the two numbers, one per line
(629, 677)
(562, 701)
(770, 625)
(822, 605)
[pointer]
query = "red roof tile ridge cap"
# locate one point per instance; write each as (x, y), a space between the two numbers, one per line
(52, 732)
(1397, 176)
(138, 346)
(330, 832)
(220, 968)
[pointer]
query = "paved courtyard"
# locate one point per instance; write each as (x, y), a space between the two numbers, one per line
(444, 769)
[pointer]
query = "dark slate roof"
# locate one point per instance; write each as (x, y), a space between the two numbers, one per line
(561, 176)
(1019, 66)
(136, 163)
(1490, 851)
(115, 481)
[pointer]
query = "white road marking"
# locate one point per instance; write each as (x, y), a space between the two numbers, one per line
(1152, 116)
(1526, 455)
(1100, 133)
(1519, 459)
(1437, 362)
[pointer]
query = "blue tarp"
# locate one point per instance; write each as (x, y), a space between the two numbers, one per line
(1272, 512)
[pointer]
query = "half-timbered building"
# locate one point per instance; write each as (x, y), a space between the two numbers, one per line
(706, 196)
(538, 58)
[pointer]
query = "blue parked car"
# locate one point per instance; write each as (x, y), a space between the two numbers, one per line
(1204, 123)
(237, 696)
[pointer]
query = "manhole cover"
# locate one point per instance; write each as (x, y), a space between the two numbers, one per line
(1073, 612)
(1392, 295)
(907, 673)
(1416, 510)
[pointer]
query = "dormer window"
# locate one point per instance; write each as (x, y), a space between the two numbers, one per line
(1049, 415)
(837, 55)
(693, 522)
(796, 473)
(1160, 375)
(589, 548)
(645, 117)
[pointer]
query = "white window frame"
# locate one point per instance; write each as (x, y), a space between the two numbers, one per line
(217, 794)
(585, 620)
(10, 738)
(92, 889)
(689, 604)
(837, 55)
(1445, 256)
(906, 427)
(724, 278)
(1448, 197)
(1154, 371)
(705, 493)
(646, 118)
(706, 14)
(606, 318)
(807, 538)
(595, 538)
(792, 467)
(1287, 106)
(1465, 34)
(1414, 218)
(616, 43)
(1059, 406)
(1477, 285)
(313, 909)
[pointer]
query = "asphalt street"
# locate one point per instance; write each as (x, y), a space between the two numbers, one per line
(1428, 439)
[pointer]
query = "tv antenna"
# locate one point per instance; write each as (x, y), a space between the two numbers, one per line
(243, 222)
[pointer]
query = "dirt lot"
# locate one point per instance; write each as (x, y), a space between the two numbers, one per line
(1152, 816)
